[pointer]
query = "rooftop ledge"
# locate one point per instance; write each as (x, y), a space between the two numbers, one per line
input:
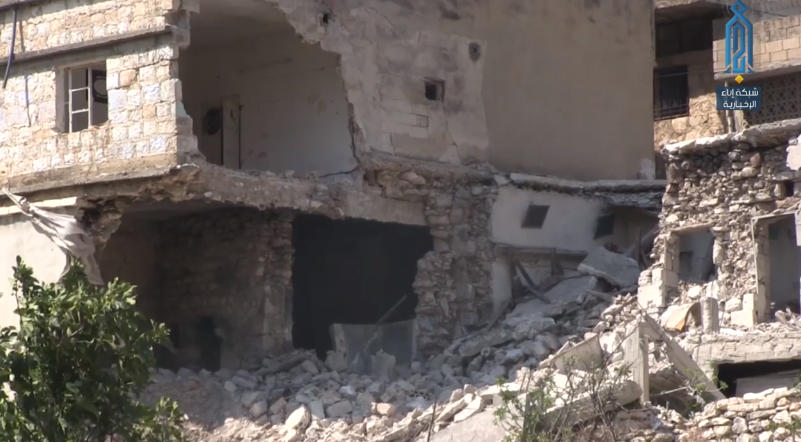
(763, 135)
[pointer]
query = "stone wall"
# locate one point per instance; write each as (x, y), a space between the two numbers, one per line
(235, 266)
(720, 185)
(453, 283)
(703, 120)
(770, 415)
(143, 92)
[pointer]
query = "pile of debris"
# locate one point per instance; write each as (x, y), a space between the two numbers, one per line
(297, 397)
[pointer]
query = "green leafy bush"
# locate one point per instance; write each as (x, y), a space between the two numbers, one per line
(78, 362)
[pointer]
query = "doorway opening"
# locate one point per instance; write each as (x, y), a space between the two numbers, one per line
(783, 265)
(736, 380)
(351, 272)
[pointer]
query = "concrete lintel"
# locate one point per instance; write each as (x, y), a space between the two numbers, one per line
(218, 184)
(598, 186)
(683, 230)
(771, 218)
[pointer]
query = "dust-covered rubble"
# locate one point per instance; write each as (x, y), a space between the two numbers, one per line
(297, 397)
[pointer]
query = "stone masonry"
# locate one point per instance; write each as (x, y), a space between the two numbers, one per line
(721, 184)
(143, 92)
(233, 265)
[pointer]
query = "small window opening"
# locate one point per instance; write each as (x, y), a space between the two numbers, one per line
(326, 18)
(85, 98)
(671, 93)
(696, 263)
(435, 90)
(605, 225)
(213, 121)
(789, 187)
(535, 216)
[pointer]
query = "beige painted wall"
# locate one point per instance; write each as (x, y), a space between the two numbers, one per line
(567, 88)
(569, 225)
(18, 237)
(548, 87)
(704, 120)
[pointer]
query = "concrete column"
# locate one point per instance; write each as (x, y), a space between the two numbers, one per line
(635, 354)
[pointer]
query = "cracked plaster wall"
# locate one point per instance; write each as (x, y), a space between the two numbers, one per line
(514, 99)
(141, 135)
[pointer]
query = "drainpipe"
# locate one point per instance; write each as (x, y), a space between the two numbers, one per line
(730, 120)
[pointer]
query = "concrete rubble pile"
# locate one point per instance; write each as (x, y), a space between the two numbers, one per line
(297, 397)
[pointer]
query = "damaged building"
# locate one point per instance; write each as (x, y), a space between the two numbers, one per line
(690, 42)
(287, 174)
(726, 275)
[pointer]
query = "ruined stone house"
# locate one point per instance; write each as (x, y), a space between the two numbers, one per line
(727, 258)
(690, 44)
(262, 170)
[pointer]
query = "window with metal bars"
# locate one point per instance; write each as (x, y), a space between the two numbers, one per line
(671, 93)
(85, 97)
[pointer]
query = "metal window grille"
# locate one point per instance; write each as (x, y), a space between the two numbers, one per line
(671, 93)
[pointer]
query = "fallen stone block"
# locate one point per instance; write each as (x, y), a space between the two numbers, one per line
(299, 419)
(453, 408)
(473, 408)
(582, 407)
(617, 269)
(583, 356)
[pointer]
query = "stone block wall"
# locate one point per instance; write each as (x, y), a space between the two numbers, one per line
(703, 120)
(720, 185)
(235, 266)
(130, 38)
(453, 282)
(777, 44)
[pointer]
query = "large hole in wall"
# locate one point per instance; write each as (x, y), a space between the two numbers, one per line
(203, 271)
(736, 380)
(352, 272)
(695, 256)
(783, 262)
(260, 98)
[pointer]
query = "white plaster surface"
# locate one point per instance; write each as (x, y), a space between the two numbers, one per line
(294, 115)
(19, 237)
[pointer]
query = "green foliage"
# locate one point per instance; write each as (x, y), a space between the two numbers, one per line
(78, 362)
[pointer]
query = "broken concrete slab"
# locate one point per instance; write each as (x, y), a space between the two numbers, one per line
(617, 269)
(583, 356)
(481, 427)
(475, 344)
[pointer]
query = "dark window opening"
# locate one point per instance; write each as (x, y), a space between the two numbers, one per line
(736, 380)
(535, 216)
(685, 36)
(696, 262)
(783, 258)
(435, 90)
(789, 187)
(605, 225)
(209, 343)
(351, 272)
(326, 19)
(671, 93)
